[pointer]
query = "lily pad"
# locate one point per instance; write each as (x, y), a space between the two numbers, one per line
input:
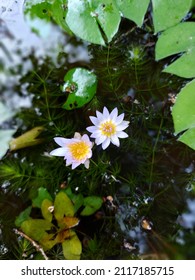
(183, 113)
(36, 228)
(59, 11)
(80, 87)
(94, 21)
(41, 196)
(72, 247)
(179, 39)
(167, 13)
(23, 216)
(92, 204)
(45, 209)
(63, 206)
(133, 9)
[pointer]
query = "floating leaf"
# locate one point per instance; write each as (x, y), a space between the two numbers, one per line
(59, 11)
(188, 138)
(36, 228)
(78, 201)
(183, 113)
(92, 204)
(92, 18)
(23, 216)
(167, 13)
(42, 195)
(70, 222)
(72, 247)
(45, 209)
(27, 139)
(63, 206)
(80, 86)
(133, 9)
(175, 40)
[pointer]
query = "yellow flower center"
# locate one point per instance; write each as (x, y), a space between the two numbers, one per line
(79, 150)
(108, 128)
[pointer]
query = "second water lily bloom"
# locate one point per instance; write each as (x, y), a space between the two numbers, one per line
(75, 151)
(108, 127)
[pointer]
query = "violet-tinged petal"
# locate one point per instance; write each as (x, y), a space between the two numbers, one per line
(61, 141)
(106, 113)
(100, 139)
(91, 129)
(119, 119)
(114, 114)
(122, 134)
(106, 143)
(115, 140)
(59, 152)
(94, 120)
(122, 126)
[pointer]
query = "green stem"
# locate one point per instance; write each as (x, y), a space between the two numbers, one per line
(153, 154)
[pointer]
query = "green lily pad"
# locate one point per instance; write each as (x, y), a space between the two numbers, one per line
(36, 228)
(183, 113)
(167, 13)
(80, 87)
(59, 11)
(94, 21)
(41, 196)
(92, 204)
(63, 206)
(45, 209)
(23, 216)
(133, 9)
(179, 39)
(72, 247)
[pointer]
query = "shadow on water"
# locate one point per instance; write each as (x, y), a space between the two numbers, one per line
(148, 185)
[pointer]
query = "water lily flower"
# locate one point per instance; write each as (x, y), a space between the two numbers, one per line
(75, 151)
(108, 127)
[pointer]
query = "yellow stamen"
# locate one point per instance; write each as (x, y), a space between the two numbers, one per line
(108, 128)
(79, 150)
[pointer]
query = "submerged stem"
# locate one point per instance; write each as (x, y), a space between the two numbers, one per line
(153, 154)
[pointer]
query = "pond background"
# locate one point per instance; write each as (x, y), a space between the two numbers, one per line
(150, 177)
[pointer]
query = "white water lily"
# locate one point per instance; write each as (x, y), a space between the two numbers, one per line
(75, 151)
(108, 127)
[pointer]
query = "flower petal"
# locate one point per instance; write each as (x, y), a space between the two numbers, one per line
(122, 134)
(86, 163)
(119, 119)
(100, 139)
(61, 141)
(106, 143)
(77, 135)
(94, 120)
(115, 140)
(99, 116)
(59, 152)
(106, 113)
(122, 126)
(91, 128)
(96, 134)
(75, 164)
(114, 114)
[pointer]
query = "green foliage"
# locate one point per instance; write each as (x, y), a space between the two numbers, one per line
(93, 21)
(80, 86)
(133, 9)
(179, 39)
(167, 13)
(183, 114)
(62, 211)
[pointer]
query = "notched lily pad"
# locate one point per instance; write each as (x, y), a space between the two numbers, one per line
(72, 247)
(79, 87)
(92, 204)
(183, 113)
(93, 21)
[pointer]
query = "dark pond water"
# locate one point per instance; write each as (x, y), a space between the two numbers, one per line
(148, 184)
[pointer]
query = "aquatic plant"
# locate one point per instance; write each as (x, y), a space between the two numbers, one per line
(133, 191)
